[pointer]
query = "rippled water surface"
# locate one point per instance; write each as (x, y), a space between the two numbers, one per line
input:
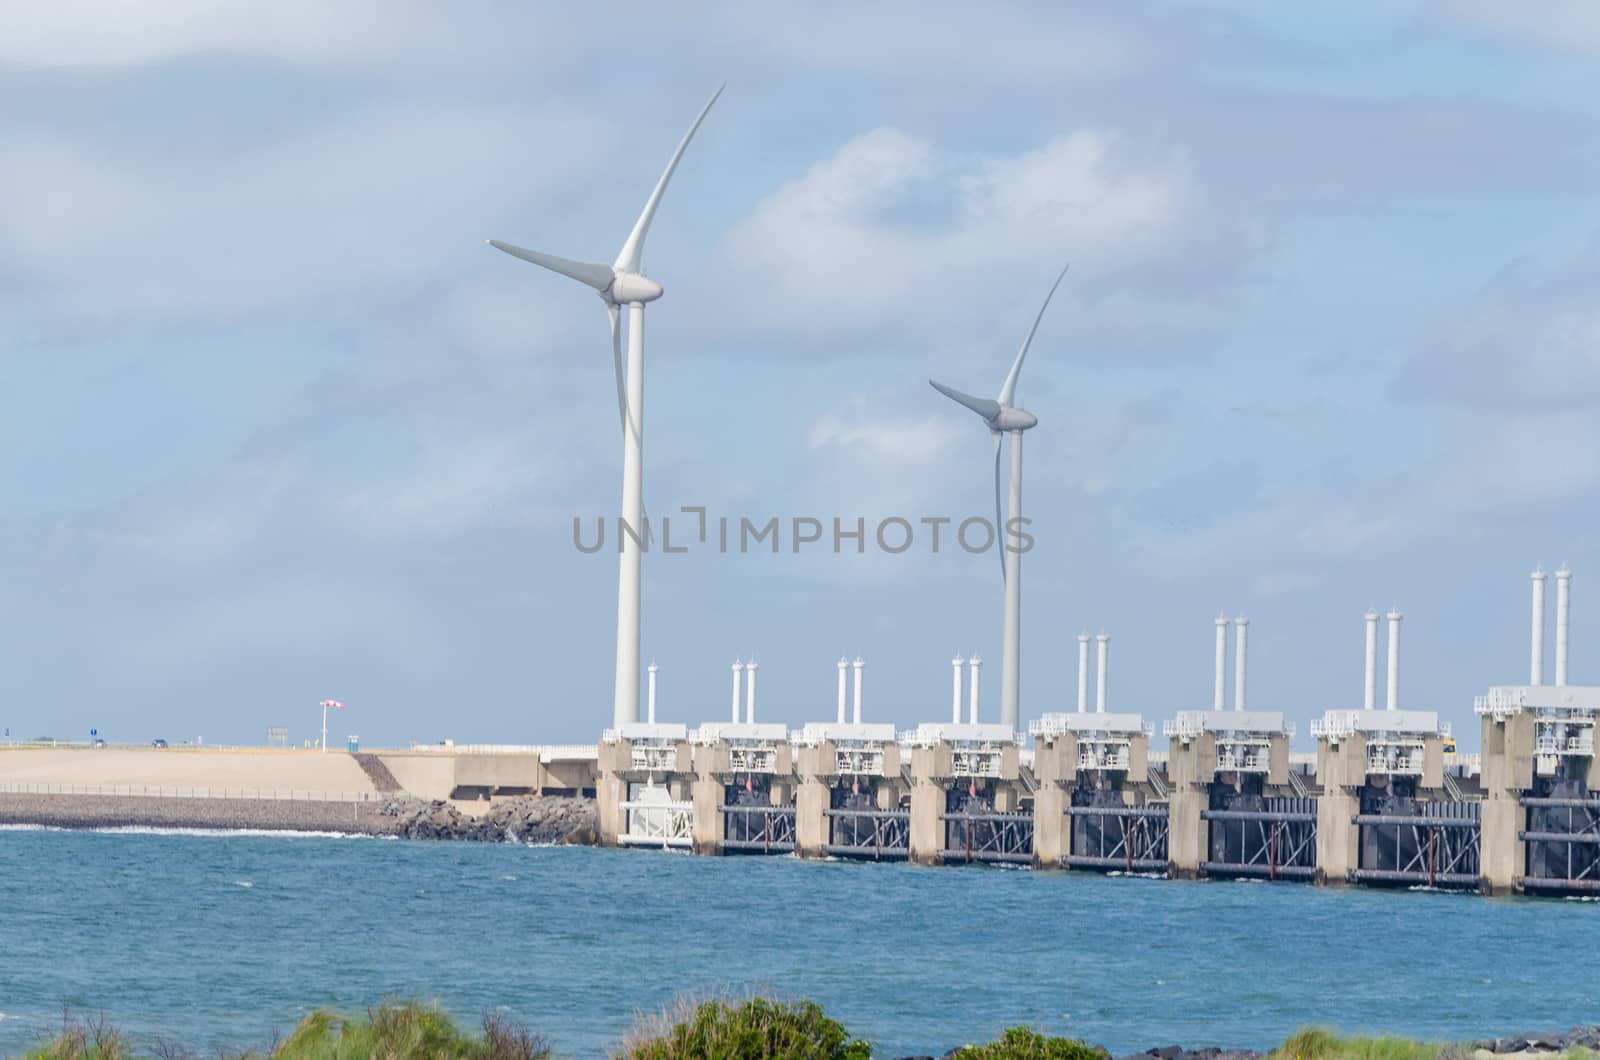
(223, 939)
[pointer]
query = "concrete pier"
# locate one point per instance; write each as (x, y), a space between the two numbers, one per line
(643, 785)
(965, 794)
(1541, 811)
(1229, 770)
(1387, 814)
(848, 780)
(1097, 805)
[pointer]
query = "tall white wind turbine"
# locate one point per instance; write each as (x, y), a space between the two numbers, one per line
(1003, 417)
(623, 283)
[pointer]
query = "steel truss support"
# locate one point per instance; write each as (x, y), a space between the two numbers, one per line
(1279, 842)
(1563, 837)
(989, 837)
(748, 829)
(1437, 848)
(881, 835)
(1118, 838)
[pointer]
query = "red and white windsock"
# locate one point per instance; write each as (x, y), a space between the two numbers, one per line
(334, 703)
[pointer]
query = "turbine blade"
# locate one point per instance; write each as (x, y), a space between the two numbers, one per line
(597, 276)
(982, 406)
(999, 528)
(1008, 390)
(623, 411)
(630, 258)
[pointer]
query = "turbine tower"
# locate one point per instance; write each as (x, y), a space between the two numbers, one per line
(1003, 417)
(623, 283)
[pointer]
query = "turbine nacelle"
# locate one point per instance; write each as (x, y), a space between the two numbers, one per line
(1011, 419)
(630, 287)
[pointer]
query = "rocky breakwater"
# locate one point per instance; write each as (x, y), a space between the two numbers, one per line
(524, 819)
(1543, 1045)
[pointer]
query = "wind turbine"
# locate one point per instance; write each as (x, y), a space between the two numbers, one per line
(1003, 417)
(623, 283)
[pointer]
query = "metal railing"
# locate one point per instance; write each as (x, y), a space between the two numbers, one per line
(1103, 754)
(858, 761)
(1243, 757)
(652, 758)
(545, 751)
(974, 761)
(662, 823)
(752, 758)
(170, 791)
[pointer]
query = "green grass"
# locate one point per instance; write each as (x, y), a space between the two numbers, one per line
(721, 1028)
(1025, 1043)
(409, 1031)
(1315, 1043)
(83, 1040)
(757, 1027)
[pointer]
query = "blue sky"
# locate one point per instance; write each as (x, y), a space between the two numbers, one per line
(279, 426)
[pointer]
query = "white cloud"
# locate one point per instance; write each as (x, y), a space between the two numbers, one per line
(353, 204)
(115, 33)
(900, 439)
(1568, 25)
(951, 43)
(830, 251)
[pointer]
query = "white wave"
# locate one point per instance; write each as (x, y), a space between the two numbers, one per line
(509, 878)
(145, 829)
(243, 883)
(224, 833)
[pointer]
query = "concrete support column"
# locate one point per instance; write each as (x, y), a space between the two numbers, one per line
(1055, 767)
(611, 791)
(1338, 841)
(708, 794)
(812, 799)
(930, 766)
(811, 821)
(1507, 774)
(1049, 826)
(1190, 770)
(1342, 772)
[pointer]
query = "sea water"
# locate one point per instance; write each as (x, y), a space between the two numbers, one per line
(223, 939)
